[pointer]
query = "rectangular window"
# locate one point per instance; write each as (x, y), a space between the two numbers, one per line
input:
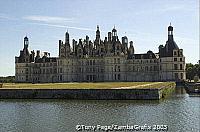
(181, 75)
(118, 59)
(175, 53)
(151, 68)
(114, 60)
(146, 68)
(60, 77)
(181, 67)
(175, 59)
(119, 68)
(118, 76)
(155, 68)
(26, 71)
(181, 59)
(176, 75)
(175, 66)
(133, 68)
(47, 71)
(55, 71)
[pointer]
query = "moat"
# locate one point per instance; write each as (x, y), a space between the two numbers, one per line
(179, 112)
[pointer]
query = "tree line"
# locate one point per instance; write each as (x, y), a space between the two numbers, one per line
(192, 70)
(8, 79)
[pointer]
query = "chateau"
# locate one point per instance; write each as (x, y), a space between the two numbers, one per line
(101, 61)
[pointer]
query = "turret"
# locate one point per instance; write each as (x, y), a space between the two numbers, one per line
(97, 33)
(74, 45)
(131, 49)
(62, 49)
(114, 34)
(170, 30)
(124, 44)
(32, 56)
(124, 40)
(87, 40)
(37, 55)
(26, 43)
(109, 36)
(67, 38)
(170, 33)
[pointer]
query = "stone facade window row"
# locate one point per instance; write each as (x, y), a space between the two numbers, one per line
(180, 67)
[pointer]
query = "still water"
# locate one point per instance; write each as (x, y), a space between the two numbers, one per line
(179, 112)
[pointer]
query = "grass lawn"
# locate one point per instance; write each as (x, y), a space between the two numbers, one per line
(99, 85)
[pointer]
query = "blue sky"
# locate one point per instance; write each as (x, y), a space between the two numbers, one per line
(144, 22)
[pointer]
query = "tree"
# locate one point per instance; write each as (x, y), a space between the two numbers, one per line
(8, 79)
(192, 70)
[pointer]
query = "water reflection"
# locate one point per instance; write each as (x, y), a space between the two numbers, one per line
(180, 112)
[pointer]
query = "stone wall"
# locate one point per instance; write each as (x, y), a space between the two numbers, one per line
(99, 94)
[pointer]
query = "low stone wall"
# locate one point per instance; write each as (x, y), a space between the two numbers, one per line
(167, 90)
(96, 94)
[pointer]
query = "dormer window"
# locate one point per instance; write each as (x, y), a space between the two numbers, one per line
(181, 53)
(175, 53)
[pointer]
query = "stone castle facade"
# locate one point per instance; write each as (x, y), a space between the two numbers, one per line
(101, 61)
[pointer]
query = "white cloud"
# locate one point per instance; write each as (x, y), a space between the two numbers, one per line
(63, 26)
(6, 17)
(48, 19)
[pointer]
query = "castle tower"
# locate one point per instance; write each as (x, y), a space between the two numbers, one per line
(170, 44)
(171, 53)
